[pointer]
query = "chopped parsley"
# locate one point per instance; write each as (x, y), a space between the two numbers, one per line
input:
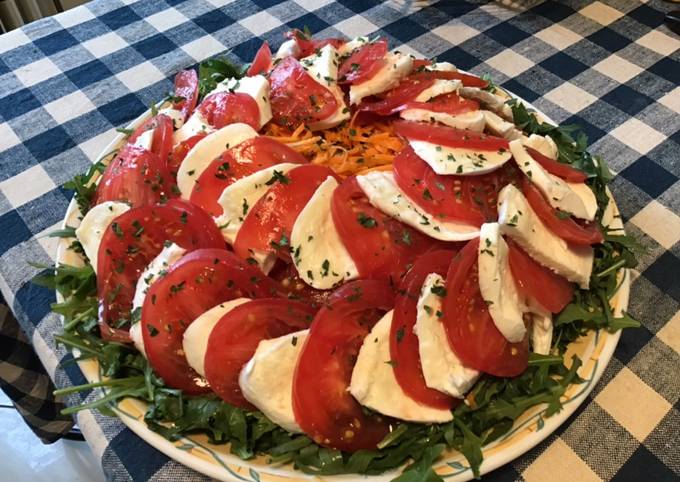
(366, 221)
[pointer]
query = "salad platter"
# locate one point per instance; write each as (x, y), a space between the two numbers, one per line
(341, 260)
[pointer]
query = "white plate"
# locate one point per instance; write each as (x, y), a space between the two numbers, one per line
(595, 350)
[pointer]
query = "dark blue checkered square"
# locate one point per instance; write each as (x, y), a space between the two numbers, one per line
(49, 143)
(155, 46)
(89, 73)
(506, 34)
(56, 42)
(404, 29)
(18, 103)
(552, 10)
(668, 69)
(13, 229)
(649, 176)
(609, 39)
(628, 100)
(213, 21)
(119, 18)
(563, 65)
(647, 15)
(664, 274)
(314, 23)
(643, 465)
(122, 110)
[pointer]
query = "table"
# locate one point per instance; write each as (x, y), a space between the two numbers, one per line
(66, 82)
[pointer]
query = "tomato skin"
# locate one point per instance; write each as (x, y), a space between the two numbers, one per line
(364, 63)
(407, 90)
(136, 176)
(556, 168)
(293, 287)
(235, 337)
(309, 45)
(199, 281)
(449, 136)
(469, 327)
(240, 161)
(404, 350)
(262, 61)
(186, 85)
(564, 227)
(162, 135)
(447, 103)
(323, 407)
(132, 241)
(224, 108)
(180, 151)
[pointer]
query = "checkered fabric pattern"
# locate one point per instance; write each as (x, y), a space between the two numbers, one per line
(612, 67)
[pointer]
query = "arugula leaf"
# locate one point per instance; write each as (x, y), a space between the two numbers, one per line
(422, 471)
(215, 70)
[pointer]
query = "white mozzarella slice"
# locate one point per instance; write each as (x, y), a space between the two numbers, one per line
(495, 102)
(175, 116)
(444, 66)
(267, 379)
(397, 66)
(500, 127)
(497, 285)
(455, 160)
(374, 385)
(348, 47)
(145, 140)
(442, 368)
(323, 68)
(93, 225)
(207, 149)
(587, 196)
(521, 223)
(237, 199)
(543, 144)
(473, 121)
(557, 192)
(440, 87)
(197, 334)
(319, 255)
(383, 193)
(256, 87)
(289, 48)
(540, 332)
(195, 124)
(137, 337)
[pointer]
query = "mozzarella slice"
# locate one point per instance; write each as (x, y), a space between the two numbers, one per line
(383, 193)
(444, 66)
(374, 385)
(543, 144)
(145, 140)
(175, 116)
(497, 285)
(540, 332)
(455, 160)
(319, 255)
(493, 102)
(500, 127)
(256, 87)
(442, 368)
(237, 199)
(93, 225)
(197, 334)
(267, 379)
(473, 121)
(397, 66)
(323, 68)
(195, 124)
(439, 87)
(521, 223)
(348, 47)
(207, 149)
(558, 192)
(289, 48)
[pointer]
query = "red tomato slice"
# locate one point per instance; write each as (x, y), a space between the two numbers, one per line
(309, 45)
(235, 337)
(448, 103)
(296, 97)
(247, 158)
(270, 221)
(133, 240)
(224, 108)
(469, 327)
(186, 86)
(421, 63)
(560, 222)
(364, 63)
(404, 349)
(162, 135)
(449, 136)
(293, 286)
(381, 246)
(180, 151)
(407, 90)
(323, 407)
(262, 61)
(559, 169)
(138, 177)
(197, 282)
(550, 290)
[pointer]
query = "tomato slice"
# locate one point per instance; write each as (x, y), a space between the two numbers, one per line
(469, 327)
(186, 86)
(270, 221)
(242, 160)
(380, 246)
(133, 240)
(364, 63)
(560, 222)
(224, 108)
(550, 290)
(323, 406)
(556, 168)
(404, 349)
(293, 286)
(180, 151)
(407, 90)
(448, 103)
(309, 45)
(296, 97)
(419, 64)
(138, 177)
(262, 61)
(197, 282)
(449, 136)
(162, 135)
(235, 337)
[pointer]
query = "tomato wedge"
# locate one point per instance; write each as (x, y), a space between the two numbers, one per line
(556, 168)
(242, 160)
(323, 407)
(469, 327)
(364, 63)
(449, 136)
(197, 282)
(550, 290)
(560, 222)
(136, 176)
(180, 151)
(132, 241)
(309, 45)
(186, 86)
(262, 61)
(235, 337)
(404, 349)
(448, 103)
(380, 246)
(270, 221)
(224, 108)
(296, 97)
(162, 135)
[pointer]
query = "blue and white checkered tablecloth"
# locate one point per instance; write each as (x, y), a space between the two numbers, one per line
(66, 82)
